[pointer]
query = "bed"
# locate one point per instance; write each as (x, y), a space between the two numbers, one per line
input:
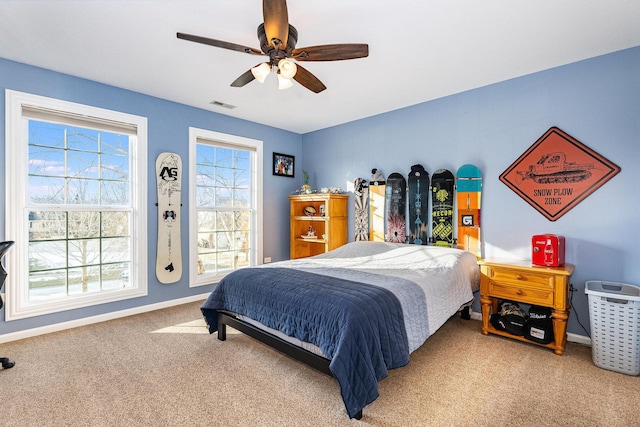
(354, 312)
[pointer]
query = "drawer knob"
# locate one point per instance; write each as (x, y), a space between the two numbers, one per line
(519, 292)
(520, 277)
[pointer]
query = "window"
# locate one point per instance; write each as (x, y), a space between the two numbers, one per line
(76, 205)
(225, 204)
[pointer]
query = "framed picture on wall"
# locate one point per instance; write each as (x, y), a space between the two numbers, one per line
(283, 165)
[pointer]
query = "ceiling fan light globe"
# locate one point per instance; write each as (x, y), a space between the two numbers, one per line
(287, 68)
(284, 83)
(260, 72)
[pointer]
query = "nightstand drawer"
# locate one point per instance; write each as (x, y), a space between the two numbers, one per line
(526, 294)
(516, 276)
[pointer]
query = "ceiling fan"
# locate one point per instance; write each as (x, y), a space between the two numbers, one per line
(278, 42)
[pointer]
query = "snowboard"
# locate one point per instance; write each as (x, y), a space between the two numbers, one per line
(361, 226)
(169, 181)
(377, 186)
(395, 205)
(418, 183)
(442, 197)
(469, 194)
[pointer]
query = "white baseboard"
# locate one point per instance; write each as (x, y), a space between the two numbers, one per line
(28, 333)
(579, 339)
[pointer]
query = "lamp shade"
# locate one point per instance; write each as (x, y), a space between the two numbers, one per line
(260, 72)
(287, 68)
(284, 83)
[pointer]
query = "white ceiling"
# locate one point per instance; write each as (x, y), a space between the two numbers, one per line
(419, 50)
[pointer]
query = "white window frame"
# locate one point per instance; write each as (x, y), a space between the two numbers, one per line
(196, 136)
(17, 227)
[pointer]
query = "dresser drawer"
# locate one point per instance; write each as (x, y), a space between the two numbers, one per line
(538, 295)
(513, 276)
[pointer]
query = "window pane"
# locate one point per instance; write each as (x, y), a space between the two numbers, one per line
(113, 144)
(47, 225)
(205, 197)
(84, 252)
(206, 222)
(114, 193)
(46, 134)
(223, 157)
(83, 191)
(45, 190)
(47, 285)
(82, 139)
(205, 175)
(47, 255)
(241, 178)
(115, 224)
(90, 282)
(242, 160)
(84, 224)
(204, 154)
(224, 196)
(224, 177)
(46, 161)
(82, 164)
(206, 263)
(241, 197)
(115, 250)
(115, 276)
(114, 168)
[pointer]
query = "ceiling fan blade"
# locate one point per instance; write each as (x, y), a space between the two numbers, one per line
(219, 43)
(276, 21)
(331, 52)
(308, 80)
(245, 78)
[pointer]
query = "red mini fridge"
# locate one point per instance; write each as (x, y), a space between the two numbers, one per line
(547, 250)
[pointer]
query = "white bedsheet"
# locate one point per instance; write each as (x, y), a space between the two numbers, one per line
(448, 278)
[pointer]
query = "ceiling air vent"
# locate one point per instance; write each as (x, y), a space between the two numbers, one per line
(223, 105)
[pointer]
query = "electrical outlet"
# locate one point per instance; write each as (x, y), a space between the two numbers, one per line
(267, 260)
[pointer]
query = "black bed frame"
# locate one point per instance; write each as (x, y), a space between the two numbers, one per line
(318, 362)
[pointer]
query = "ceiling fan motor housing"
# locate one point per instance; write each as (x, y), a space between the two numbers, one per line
(268, 49)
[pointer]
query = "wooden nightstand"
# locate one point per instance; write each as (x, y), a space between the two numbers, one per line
(529, 284)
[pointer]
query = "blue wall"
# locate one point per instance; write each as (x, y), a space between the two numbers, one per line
(597, 101)
(168, 130)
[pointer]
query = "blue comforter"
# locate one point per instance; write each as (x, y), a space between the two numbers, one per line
(360, 327)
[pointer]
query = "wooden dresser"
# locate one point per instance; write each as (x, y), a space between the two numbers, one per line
(523, 282)
(326, 215)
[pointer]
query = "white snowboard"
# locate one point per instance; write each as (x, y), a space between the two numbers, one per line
(169, 181)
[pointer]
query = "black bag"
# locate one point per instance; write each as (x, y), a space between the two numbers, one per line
(510, 317)
(539, 326)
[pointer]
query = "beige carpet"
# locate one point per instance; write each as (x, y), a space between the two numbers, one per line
(164, 369)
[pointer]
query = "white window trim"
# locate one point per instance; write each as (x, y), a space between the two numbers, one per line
(196, 134)
(16, 157)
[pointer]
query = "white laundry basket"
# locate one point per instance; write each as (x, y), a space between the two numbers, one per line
(614, 312)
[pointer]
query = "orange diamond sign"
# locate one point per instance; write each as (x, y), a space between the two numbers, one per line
(557, 172)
